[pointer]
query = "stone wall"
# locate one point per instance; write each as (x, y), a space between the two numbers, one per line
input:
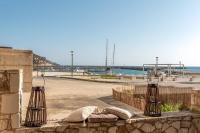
(10, 97)
(18, 59)
(176, 123)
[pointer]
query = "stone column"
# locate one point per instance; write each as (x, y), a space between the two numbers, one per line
(10, 97)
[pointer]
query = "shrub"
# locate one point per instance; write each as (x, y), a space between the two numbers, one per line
(168, 107)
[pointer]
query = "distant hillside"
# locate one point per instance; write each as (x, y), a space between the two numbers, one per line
(42, 61)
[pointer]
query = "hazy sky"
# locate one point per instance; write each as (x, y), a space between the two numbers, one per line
(141, 30)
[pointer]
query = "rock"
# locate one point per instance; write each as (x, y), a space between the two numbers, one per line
(102, 128)
(192, 130)
(112, 130)
(15, 120)
(122, 129)
(10, 103)
(137, 125)
(97, 132)
(185, 124)
(148, 128)
(4, 116)
(60, 129)
(188, 118)
(136, 131)
(176, 124)
(120, 123)
(93, 124)
(129, 127)
(183, 130)
(71, 131)
(86, 130)
(3, 124)
(107, 124)
(196, 122)
(165, 126)
(158, 125)
(170, 130)
(47, 129)
(5, 131)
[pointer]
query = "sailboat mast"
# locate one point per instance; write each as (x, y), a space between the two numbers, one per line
(106, 62)
(113, 63)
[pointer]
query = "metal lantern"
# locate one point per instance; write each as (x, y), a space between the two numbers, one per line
(36, 114)
(152, 107)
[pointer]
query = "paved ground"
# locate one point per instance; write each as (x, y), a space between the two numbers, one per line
(65, 95)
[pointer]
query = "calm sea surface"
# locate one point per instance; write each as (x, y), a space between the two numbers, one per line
(136, 72)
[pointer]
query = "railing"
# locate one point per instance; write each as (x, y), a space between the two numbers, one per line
(196, 100)
(135, 95)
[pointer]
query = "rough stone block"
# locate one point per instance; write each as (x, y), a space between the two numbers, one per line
(71, 131)
(4, 117)
(6, 131)
(122, 129)
(102, 128)
(14, 82)
(86, 130)
(196, 123)
(3, 124)
(193, 130)
(185, 124)
(93, 124)
(112, 130)
(188, 118)
(120, 123)
(176, 124)
(170, 130)
(15, 120)
(136, 131)
(183, 130)
(147, 128)
(107, 124)
(27, 73)
(10, 103)
(60, 129)
(48, 129)
(165, 126)
(158, 125)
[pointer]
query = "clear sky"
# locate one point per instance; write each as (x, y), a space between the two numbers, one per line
(141, 30)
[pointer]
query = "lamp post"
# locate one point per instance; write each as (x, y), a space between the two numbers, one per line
(156, 68)
(72, 62)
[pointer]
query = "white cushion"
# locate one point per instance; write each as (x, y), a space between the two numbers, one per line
(80, 114)
(121, 113)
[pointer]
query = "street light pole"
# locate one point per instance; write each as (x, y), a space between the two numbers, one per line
(72, 62)
(156, 68)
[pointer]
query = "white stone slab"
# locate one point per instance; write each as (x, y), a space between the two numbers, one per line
(10, 103)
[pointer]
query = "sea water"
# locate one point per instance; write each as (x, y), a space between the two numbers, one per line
(139, 72)
(193, 69)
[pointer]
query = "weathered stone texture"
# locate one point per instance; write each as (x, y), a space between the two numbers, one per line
(144, 126)
(18, 59)
(148, 128)
(10, 103)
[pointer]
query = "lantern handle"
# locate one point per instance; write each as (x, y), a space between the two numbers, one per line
(42, 75)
